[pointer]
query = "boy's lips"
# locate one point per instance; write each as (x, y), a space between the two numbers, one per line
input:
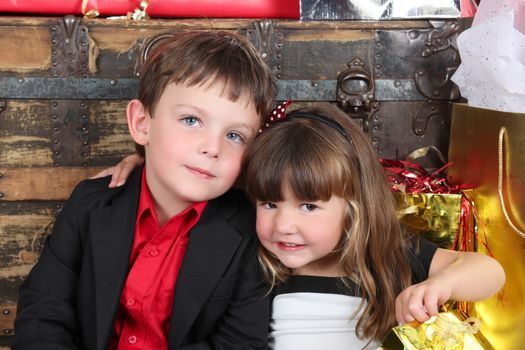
(200, 172)
(290, 247)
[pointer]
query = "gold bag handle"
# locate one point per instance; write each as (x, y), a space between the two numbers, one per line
(502, 132)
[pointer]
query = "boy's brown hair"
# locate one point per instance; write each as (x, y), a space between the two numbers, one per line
(207, 57)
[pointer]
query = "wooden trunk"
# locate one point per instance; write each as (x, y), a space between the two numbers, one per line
(65, 82)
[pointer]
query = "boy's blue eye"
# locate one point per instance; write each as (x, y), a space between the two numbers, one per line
(190, 120)
(236, 137)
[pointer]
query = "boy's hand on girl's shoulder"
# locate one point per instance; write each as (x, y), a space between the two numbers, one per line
(121, 171)
(421, 301)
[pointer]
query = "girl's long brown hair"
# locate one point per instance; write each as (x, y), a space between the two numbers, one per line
(316, 161)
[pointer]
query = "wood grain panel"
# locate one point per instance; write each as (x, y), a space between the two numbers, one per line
(20, 184)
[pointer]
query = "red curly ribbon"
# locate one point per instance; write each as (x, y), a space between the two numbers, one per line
(408, 177)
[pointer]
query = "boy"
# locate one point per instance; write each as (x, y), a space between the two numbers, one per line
(169, 259)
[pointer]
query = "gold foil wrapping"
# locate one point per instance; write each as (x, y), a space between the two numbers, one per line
(450, 330)
(435, 216)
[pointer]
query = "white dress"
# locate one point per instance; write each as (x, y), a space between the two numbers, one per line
(303, 321)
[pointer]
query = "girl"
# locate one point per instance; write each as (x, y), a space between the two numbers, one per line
(341, 268)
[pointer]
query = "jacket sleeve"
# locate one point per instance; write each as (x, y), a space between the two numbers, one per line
(46, 313)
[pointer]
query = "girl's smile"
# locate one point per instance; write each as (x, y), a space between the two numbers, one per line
(301, 234)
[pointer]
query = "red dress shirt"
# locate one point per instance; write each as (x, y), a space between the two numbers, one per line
(144, 313)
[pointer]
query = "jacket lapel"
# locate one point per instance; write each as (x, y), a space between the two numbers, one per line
(213, 242)
(111, 232)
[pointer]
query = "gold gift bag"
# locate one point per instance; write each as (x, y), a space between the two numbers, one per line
(487, 148)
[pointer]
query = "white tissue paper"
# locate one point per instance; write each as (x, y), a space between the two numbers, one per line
(492, 70)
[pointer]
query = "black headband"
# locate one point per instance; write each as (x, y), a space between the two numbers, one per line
(320, 118)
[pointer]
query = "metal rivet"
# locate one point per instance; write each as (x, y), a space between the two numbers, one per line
(419, 130)
(375, 105)
(54, 41)
(279, 45)
(420, 72)
(57, 153)
(84, 128)
(436, 92)
(56, 164)
(264, 55)
(7, 331)
(83, 104)
(20, 80)
(278, 76)
(55, 129)
(55, 104)
(112, 81)
(279, 56)
(84, 154)
(85, 143)
(1, 194)
(55, 142)
(6, 312)
(55, 116)
(83, 65)
(84, 116)
(370, 96)
(84, 164)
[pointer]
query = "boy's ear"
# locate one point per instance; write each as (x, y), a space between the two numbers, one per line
(138, 122)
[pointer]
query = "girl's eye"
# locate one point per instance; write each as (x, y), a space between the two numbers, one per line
(190, 120)
(235, 137)
(309, 206)
(269, 205)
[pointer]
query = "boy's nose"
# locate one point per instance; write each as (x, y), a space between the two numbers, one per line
(210, 147)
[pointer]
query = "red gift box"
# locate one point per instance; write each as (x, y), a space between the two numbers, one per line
(161, 8)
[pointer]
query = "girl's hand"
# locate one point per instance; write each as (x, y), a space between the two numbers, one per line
(121, 171)
(422, 301)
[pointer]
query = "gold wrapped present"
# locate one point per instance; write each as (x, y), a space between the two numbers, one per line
(450, 330)
(435, 216)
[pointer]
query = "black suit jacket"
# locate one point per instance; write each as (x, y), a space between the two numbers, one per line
(70, 298)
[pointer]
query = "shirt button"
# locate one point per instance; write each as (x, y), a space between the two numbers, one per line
(132, 339)
(130, 302)
(154, 252)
